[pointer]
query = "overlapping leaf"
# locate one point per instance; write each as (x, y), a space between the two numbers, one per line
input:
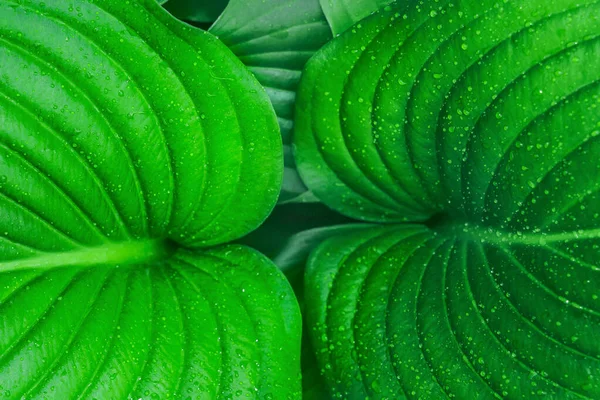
(342, 14)
(287, 237)
(199, 11)
(482, 119)
(275, 39)
(126, 138)
(403, 312)
(210, 324)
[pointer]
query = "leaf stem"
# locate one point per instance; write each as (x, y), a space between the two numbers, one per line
(490, 235)
(110, 254)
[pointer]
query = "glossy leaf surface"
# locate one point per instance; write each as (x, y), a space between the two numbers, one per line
(342, 14)
(130, 144)
(402, 312)
(201, 11)
(481, 120)
(275, 39)
(208, 323)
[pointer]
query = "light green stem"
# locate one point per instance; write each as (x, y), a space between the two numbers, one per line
(530, 239)
(110, 254)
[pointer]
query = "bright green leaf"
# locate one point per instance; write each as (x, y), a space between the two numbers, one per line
(209, 323)
(481, 120)
(275, 39)
(401, 312)
(175, 143)
(130, 144)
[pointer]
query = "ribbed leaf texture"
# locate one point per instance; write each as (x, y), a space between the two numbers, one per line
(477, 123)
(132, 147)
(275, 39)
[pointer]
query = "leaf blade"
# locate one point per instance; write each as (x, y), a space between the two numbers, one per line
(172, 290)
(343, 14)
(458, 117)
(275, 39)
(164, 191)
(444, 321)
(127, 137)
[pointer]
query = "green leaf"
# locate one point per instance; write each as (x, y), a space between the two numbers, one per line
(403, 312)
(291, 259)
(203, 11)
(209, 323)
(275, 39)
(187, 148)
(293, 230)
(395, 133)
(131, 145)
(478, 122)
(342, 14)
(287, 237)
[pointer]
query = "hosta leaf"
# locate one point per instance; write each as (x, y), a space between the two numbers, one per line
(292, 231)
(480, 119)
(176, 143)
(127, 138)
(202, 11)
(342, 14)
(354, 113)
(403, 312)
(275, 39)
(287, 237)
(210, 324)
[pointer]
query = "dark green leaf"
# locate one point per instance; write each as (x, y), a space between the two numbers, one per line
(275, 39)
(342, 14)
(292, 231)
(480, 119)
(395, 133)
(202, 11)
(298, 247)
(129, 139)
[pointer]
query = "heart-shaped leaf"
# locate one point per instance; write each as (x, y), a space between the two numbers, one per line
(130, 143)
(481, 119)
(275, 39)
(209, 323)
(407, 312)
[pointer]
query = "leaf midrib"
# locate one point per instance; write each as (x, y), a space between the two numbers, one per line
(113, 254)
(499, 237)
